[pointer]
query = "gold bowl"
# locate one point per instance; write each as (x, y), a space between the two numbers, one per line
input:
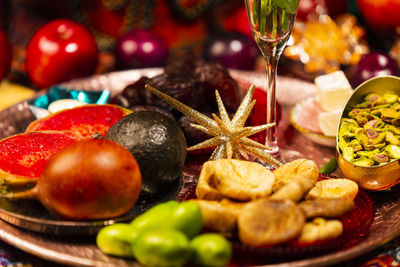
(380, 177)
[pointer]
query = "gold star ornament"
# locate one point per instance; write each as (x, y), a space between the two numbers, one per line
(230, 137)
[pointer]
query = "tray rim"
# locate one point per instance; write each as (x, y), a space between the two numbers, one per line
(22, 239)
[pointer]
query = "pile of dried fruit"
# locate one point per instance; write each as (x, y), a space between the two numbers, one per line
(268, 208)
(371, 134)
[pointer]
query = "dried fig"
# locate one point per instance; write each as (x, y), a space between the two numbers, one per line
(269, 222)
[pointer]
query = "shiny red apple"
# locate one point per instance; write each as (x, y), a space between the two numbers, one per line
(382, 15)
(5, 55)
(59, 51)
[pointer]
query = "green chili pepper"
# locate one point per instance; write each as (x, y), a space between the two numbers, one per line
(329, 167)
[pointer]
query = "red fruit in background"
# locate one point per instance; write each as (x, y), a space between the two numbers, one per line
(372, 65)
(237, 21)
(335, 8)
(381, 15)
(140, 49)
(5, 55)
(232, 50)
(308, 8)
(258, 115)
(105, 20)
(59, 51)
(172, 30)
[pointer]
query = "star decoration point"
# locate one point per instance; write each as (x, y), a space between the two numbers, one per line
(230, 136)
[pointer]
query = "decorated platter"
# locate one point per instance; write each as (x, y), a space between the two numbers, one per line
(31, 215)
(58, 245)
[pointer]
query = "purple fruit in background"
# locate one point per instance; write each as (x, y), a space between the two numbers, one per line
(375, 64)
(232, 50)
(140, 49)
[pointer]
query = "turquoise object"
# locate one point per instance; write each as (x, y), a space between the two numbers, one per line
(56, 93)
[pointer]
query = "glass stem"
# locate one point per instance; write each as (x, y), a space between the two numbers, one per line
(271, 63)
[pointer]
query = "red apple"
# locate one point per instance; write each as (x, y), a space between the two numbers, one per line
(59, 51)
(5, 55)
(306, 8)
(237, 21)
(310, 8)
(381, 15)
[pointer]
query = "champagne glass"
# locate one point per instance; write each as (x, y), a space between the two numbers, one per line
(271, 22)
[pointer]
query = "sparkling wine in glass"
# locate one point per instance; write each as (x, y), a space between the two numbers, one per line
(271, 22)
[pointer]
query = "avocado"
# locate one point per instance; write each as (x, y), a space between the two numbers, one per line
(158, 144)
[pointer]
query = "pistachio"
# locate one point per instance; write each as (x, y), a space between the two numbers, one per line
(367, 154)
(363, 162)
(355, 144)
(393, 151)
(390, 98)
(343, 143)
(391, 138)
(361, 136)
(353, 113)
(371, 133)
(366, 104)
(396, 106)
(348, 128)
(380, 158)
(373, 98)
(375, 137)
(393, 129)
(370, 147)
(376, 112)
(348, 153)
(374, 124)
(395, 122)
(350, 122)
(387, 114)
(372, 117)
(380, 106)
(361, 120)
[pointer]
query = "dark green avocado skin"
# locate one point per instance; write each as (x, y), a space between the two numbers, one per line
(158, 144)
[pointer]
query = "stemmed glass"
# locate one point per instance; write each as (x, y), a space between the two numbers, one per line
(271, 22)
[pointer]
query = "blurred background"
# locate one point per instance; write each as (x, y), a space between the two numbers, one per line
(340, 32)
(357, 36)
